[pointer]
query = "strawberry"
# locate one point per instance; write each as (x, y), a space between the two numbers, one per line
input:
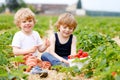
(80, 52)
(77, 56)
(81, 56)
(85, 54)
(70, 57)
(114, 73)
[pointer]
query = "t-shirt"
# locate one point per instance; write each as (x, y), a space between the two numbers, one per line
(24, 41)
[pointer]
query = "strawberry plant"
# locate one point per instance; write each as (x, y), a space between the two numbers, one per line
(103, 51)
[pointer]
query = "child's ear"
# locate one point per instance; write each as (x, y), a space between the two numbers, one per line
(59, 29)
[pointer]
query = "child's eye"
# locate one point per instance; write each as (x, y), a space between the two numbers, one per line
(24, 21)
(30, 20)
(70, 28)
(64, 27)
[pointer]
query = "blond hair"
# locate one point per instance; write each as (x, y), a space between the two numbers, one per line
(23, 14)
(66, 19)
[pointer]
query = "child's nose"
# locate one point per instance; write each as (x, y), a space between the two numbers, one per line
(67, 29)
(27, 22)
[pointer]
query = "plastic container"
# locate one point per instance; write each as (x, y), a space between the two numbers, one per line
(79, 64)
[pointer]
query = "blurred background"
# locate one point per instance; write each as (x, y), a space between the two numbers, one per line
(55, 7)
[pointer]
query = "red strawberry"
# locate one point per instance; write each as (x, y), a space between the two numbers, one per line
(80, 52)
(70, 57)
(114, 73)
(85, 54)
(81, 56)
(77, 56)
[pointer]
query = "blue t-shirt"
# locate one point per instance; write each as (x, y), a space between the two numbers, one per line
(63, 49)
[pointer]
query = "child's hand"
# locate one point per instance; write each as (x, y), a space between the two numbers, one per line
(65, 61)
(47, 43)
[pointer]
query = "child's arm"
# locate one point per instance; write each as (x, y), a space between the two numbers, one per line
(73, 46)
(18, 51)
(44, 46)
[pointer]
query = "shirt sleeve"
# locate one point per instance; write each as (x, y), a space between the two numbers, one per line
(39, 40)
(16, 41)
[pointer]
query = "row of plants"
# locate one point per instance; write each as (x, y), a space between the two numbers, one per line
(95, 36)
(105, 54)
(104, 25)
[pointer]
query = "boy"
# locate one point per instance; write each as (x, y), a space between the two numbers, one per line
(63, 41)
(27, 42)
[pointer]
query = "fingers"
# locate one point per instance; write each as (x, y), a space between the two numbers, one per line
(35, 47)
(65, 61)
(47, 42)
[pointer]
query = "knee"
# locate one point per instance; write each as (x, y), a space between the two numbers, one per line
(44, 55)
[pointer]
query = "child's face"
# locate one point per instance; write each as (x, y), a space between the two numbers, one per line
(27, 25)
(66, 31)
